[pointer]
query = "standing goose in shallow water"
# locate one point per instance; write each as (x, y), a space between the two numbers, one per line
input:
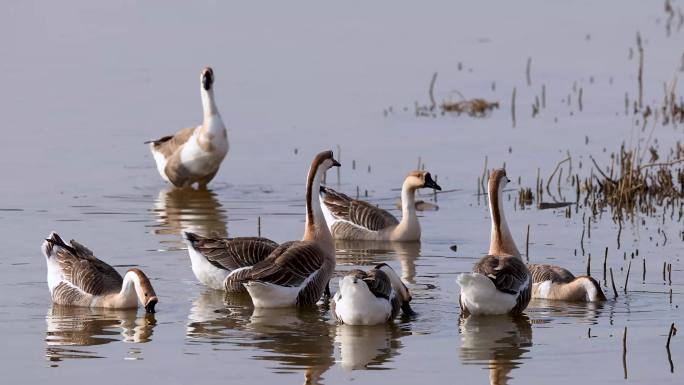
(370, 298)
(353, 219)
(194, 154)
(556, 283)
(500, 282)
(223, 263)
(77, 278)
(296, 273)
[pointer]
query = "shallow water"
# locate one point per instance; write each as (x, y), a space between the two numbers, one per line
(85, 85)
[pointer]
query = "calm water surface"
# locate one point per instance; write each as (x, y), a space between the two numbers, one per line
(84, 84)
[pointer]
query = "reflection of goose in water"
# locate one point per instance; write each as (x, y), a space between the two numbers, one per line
(372, 253)
(296, 339)
(188, 209)
(500, 342)
(545, 311)
(365, 347)
(77, 326)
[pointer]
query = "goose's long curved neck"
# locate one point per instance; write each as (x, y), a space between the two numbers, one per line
(408, 205)
(128, 296)
(209, 105)
(316, 228)
(501, 242)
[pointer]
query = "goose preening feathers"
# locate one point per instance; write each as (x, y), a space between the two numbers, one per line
(370, 298)
(556, 283)
(77, 278)
(194, 154)
(224, 263)
(500, 282)
(353, 219)
(296, 273)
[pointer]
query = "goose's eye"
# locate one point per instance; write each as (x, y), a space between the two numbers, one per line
(145, 294)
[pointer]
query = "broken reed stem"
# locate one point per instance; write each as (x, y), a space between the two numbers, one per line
(579, 99)
(624, 352)
(548, 182)
(669, 274)
(433, 104)
(669, 335)
(259, 226)
(528, 71)
(612, 281)
(605, 260)
(527, 244)
(640, 74)
(513, 107)
(629, 268)
(339, 159)
(664, 269)
(582, 240)
(543, 95)
(589, 266)
(643, 275)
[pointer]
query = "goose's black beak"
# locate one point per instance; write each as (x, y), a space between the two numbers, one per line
(149, 306)
(429, 183)
(336, 163)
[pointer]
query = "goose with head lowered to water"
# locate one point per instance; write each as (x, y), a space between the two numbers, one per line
(77, 278)
(370, 298)
(194, 154)
(500, 282)
(297, 273)
(353, 219)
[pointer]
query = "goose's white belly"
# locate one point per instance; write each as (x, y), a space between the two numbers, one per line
(480, 296)
(205, 272)
(197, 160)
(356, 305)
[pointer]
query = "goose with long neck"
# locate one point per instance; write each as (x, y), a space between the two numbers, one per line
(500, 282)
(353, 219)
(194, 154)
(297, 273)
(77, 278)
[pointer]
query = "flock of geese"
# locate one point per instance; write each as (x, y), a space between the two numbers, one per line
(297, 273)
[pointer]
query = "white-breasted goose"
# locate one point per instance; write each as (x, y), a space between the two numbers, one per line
(194, 154)
(296, 273)
(500, 282)
(370, 298)
(77, 278)
(224, 263)
(556, 283)
(353, 219)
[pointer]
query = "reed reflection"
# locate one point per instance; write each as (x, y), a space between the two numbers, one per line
(192, 210)
(296, 339)
(373, 252)
(499, 342)
(70, 327)
(545, 311)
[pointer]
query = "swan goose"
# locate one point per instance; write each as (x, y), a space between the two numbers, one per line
(500, 282)
(353, 219)
(297, 273)
(370, 298)
(77, 278)
(223, 263)
(556, 283)
(194, 154)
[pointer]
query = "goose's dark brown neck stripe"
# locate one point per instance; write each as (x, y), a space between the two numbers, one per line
(494, 201)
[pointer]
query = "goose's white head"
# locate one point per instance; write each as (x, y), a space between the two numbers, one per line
(420, 179)
(207, 78)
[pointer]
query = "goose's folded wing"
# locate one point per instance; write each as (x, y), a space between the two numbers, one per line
(379, 283)
(357, 212)
(543, 272)
(291, 264)
(82, 269)
(509, 274)
(169, 144)
(232, 253)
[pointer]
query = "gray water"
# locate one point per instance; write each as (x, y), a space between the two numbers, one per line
(84, 84)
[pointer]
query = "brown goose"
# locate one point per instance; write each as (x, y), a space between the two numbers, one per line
(194, 154)
(296, 273)
(370, 298)
(77, 278)
(556, 283)
(500, 282)
(223, 263)
(353, 219)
